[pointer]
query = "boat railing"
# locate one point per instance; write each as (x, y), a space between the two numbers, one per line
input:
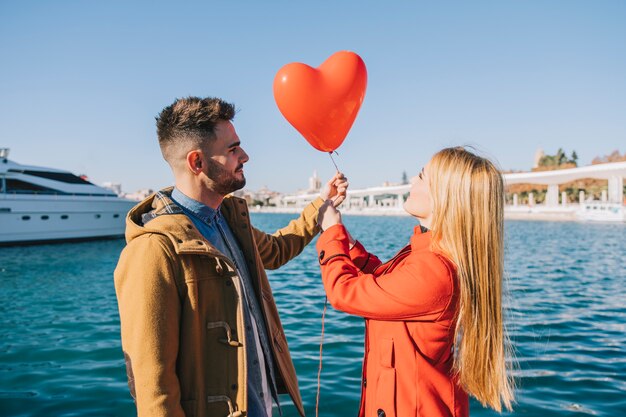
(58, 194)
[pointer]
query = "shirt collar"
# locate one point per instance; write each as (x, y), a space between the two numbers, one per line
(200, 210)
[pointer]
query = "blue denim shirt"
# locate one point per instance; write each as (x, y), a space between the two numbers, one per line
(212, 225)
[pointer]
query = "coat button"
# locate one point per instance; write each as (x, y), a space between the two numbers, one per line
(322, 253)
(381, 412)
(365, 382)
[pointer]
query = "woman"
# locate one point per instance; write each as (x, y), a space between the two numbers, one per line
(433, 313)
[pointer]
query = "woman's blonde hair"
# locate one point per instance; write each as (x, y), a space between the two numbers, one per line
(468, 201)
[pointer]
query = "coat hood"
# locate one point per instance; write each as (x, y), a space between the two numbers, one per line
(159, 214)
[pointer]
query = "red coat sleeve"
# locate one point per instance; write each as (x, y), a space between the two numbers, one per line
(366, 262)
(420, 288)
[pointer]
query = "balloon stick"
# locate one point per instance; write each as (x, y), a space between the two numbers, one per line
(331, 158)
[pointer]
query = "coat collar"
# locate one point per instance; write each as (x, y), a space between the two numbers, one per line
(421, 238)
(160, 214)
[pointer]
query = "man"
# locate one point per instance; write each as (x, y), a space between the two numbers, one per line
(200, 330)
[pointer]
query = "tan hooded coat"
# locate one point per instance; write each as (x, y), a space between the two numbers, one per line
(180, 308)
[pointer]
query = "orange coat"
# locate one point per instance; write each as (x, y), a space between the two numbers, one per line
(409, 305)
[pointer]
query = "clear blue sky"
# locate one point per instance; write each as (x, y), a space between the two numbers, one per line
(81, 81)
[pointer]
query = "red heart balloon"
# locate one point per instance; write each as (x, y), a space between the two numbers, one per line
(322, 103)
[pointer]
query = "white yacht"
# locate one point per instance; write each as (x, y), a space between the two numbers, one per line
(46, 205)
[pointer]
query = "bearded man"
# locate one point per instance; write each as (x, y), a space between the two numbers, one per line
(200, 329)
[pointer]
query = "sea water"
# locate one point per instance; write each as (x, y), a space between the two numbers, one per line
(60, 352)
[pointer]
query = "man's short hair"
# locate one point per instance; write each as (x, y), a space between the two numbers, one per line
(189, 122)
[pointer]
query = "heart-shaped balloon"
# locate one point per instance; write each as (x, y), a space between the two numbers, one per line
(322, 103)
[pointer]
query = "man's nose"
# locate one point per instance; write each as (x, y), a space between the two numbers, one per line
(244, 156)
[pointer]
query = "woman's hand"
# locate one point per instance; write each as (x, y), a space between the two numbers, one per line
(328, 215)
(335, 189)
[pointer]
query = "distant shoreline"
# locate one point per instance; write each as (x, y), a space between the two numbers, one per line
(508, 215)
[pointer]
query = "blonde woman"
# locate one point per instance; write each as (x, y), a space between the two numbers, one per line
(433, 313)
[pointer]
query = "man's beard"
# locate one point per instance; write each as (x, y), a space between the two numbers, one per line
(223, 181)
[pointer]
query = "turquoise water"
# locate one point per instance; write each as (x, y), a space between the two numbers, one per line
(60, 352)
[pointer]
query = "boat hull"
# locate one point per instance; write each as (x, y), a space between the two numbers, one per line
(596, 211)
(29, 219)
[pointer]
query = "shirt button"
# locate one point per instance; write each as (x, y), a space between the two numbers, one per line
(381, 412)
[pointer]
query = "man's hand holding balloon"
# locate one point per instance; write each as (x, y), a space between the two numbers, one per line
(335, 189)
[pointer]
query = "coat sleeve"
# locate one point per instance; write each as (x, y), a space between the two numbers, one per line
(366, 262)
(285, 244)
(149, 308)
(420, 289)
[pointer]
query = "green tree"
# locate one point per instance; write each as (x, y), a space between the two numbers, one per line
(547, 161)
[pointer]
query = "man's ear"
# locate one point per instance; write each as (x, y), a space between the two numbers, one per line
(194, 161)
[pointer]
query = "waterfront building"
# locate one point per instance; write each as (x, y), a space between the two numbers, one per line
(389, 198)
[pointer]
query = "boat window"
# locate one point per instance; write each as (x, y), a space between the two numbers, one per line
(57, 176)
(15, 186)
(115, 216)
(25, 217)
(45, 217)
(23, 187)
(98, 216)
(64, 217)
